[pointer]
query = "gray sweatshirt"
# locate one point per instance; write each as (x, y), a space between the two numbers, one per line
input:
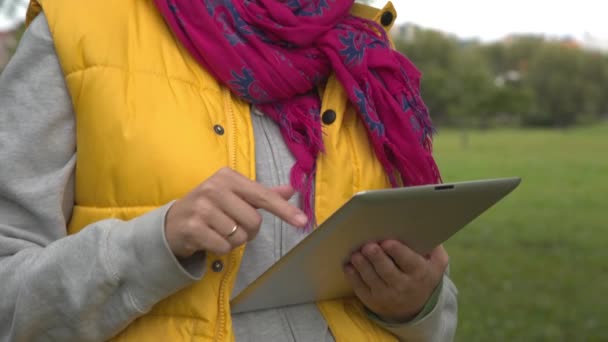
(91, 285)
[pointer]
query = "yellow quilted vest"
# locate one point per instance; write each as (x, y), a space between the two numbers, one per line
(145, 115)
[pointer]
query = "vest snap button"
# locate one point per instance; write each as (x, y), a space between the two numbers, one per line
(217, 266)
(328, 117)
(387, 18)
(219, 130)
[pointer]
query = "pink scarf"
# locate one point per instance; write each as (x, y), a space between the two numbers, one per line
(275, 53)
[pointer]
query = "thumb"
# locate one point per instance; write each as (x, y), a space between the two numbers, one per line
(285, 191)
(439, 257)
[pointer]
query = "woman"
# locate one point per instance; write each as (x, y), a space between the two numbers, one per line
(154, 130)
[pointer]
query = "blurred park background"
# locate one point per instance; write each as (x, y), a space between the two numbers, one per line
(534, 105)
(522, 103)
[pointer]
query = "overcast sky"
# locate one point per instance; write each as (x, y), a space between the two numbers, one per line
(12, 12)
(492, 19)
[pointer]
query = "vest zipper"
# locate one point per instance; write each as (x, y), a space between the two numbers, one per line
(221, 325)
(232, 122)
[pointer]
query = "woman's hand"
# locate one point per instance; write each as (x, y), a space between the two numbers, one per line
(392, 280)
(220, 214)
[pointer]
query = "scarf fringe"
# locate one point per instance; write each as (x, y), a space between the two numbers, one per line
(303, 182)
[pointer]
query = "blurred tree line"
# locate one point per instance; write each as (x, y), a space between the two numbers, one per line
(19, 31)
(522, 80)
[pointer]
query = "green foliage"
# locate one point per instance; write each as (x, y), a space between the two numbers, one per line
(533, 268)
(525, 79)
(18, 34)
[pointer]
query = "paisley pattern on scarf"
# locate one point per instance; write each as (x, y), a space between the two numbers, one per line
(275, 54)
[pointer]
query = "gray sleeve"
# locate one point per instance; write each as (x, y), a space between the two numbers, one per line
(83, 287)
(437, 326)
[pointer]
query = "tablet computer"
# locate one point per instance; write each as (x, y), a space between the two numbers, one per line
(422, 217)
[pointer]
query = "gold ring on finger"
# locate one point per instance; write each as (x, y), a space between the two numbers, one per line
(233, 231)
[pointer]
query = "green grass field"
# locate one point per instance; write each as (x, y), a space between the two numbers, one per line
(534, 267)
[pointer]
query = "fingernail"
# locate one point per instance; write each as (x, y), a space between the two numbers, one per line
(301, 219)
